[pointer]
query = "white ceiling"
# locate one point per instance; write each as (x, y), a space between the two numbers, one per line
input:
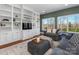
(46, 8)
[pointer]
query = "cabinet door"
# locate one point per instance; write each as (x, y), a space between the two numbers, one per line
(20, 35)
(9, 37)
(25, 34)
(3, 38)
(38, 31)
(33, 32)
(0, 38)
(15, 35)
(30, 34)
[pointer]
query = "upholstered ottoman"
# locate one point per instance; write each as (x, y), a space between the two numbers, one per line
(38, 48)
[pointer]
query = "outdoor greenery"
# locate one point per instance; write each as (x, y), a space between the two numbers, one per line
(71, 30)
(74, 30)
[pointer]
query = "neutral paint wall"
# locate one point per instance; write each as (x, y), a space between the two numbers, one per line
(68, 11)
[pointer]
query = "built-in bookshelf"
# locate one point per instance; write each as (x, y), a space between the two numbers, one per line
(5, 17)
(36, 21)
(11, 18)
(27, 16)
(17, 17)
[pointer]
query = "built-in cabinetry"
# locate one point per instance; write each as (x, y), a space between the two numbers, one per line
(5, 17)
(11, 19)
(31, 17)
(17, 17)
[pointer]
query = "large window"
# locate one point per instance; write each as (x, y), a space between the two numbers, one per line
(72, 23)
(77, 23)
(62, 23)
(48, 24)
(69, 23)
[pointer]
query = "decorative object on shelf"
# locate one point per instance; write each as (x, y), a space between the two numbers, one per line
(2, 24)
(5, 20)
(14, 19)
(16, 16)
(16, 24)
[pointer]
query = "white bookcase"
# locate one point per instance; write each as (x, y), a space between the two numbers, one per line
(17, 17)
(5, 17)
(11, 19)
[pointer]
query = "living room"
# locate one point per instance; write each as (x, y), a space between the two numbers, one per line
(38, 29)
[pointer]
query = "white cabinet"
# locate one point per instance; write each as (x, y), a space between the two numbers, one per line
(5, 37)
(25, 34)
(20, 35)
(17, 16)
(8, 37)
(17, 35)
(30, 34)
(36, 31)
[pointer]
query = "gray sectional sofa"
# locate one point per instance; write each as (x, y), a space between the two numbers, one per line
(69, 45)
(54, 36)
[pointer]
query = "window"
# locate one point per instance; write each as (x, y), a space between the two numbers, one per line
(62, 23)
(48, 23)
(69, 23)
(72, 23)
(77, 23)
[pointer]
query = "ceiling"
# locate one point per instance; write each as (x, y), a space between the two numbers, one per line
(46, 8)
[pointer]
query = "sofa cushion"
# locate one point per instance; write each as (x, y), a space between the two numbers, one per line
(74, 39)
(65, 35)
(69, 35)
(66, 45)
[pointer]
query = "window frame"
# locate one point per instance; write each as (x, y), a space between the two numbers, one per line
(75, 15)
(53, 18)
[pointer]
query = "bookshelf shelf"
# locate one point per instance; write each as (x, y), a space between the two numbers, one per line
(15, 15)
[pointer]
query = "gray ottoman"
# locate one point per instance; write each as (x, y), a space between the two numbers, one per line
(38, 48)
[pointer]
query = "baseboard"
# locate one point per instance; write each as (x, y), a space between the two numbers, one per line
(16, 42)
